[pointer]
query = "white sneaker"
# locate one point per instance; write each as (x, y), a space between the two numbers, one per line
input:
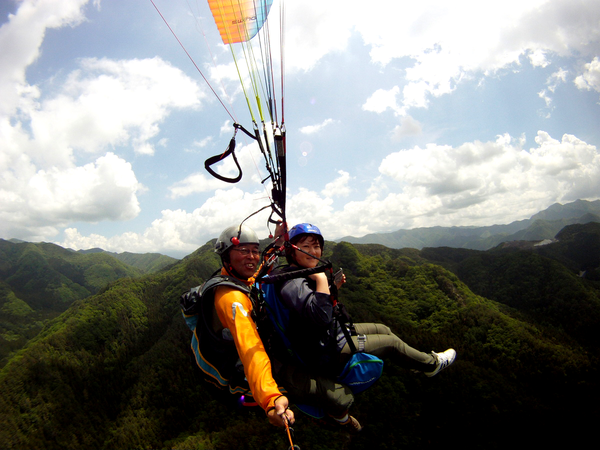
(443, 360)
(352, 425)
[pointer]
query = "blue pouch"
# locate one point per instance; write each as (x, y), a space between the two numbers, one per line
(361, 371)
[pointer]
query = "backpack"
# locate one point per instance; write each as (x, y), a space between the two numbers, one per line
(215, 353)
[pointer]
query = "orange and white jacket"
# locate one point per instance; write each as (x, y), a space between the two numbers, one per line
(234, 310)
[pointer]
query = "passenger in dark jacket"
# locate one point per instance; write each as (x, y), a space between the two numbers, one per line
(318, 338)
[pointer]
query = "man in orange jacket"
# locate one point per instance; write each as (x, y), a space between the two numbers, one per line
(238, 248)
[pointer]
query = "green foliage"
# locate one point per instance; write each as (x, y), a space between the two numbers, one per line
(11, 305)
(115, 370)
(40, 281)
(147, 262)
(543, 290)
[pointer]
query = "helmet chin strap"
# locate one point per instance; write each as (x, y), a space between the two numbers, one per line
(295, 247)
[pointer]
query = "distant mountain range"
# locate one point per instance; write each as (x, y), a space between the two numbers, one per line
(543, 225)
(146, 262)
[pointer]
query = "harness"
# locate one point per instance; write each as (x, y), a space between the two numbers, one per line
(362, 369)
(214, 350)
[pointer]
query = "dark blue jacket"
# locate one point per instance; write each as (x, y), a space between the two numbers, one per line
(315, 336)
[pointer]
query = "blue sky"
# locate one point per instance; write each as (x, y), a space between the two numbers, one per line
(398, 115)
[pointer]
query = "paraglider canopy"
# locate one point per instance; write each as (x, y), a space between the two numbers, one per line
(239, 20)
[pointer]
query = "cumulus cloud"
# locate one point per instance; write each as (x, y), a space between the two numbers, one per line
(339, 187)
(590, 78)
(20, 41)
(311, 129)
(382, 99)
(408, 127)
(57, 163)
(109, 102)
(491, 36)
(538, 58)
(34, 206)
(312, 34)
(179, 232)
(479, 183)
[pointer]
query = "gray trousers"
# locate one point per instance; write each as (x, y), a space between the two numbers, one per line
(382, 343)
(309, 388)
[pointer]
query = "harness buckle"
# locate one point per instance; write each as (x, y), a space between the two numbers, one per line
(361, 339)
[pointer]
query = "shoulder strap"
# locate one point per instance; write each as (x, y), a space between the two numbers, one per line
(343, 318)
(191, 300)
(224, 280)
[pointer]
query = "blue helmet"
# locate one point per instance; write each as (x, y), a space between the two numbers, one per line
(306, 228)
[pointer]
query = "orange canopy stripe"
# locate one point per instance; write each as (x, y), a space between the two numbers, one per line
(239, 20)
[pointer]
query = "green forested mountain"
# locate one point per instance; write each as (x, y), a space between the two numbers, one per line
(146, 262)
(115, 370)
(556, 285)
(40, 281)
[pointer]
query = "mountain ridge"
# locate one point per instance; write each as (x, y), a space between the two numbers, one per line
(115, 371)
(542, 225)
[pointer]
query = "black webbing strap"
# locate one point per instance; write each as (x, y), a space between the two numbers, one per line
(300, 273)
(347, 333)
(215, 159)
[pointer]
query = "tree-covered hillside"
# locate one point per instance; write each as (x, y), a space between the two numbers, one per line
(115, 371)
(555, 285)
(146, 262)
(40, 281)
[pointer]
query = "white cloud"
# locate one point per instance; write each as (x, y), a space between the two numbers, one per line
(103, 104)
(479, 183)
(339, 187)
(309, 206)
(558, 77)
(56, 163)
(311, 33)
(180, 232)
(538, 58)
(202, 142)
(447, 42)
(543, 94)
(20, 41)
(34, 205)
(312, 129)
(408, 127)
(485, 181)
(553, 81)
(590, 78)
(113, 103)
(383, 99)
